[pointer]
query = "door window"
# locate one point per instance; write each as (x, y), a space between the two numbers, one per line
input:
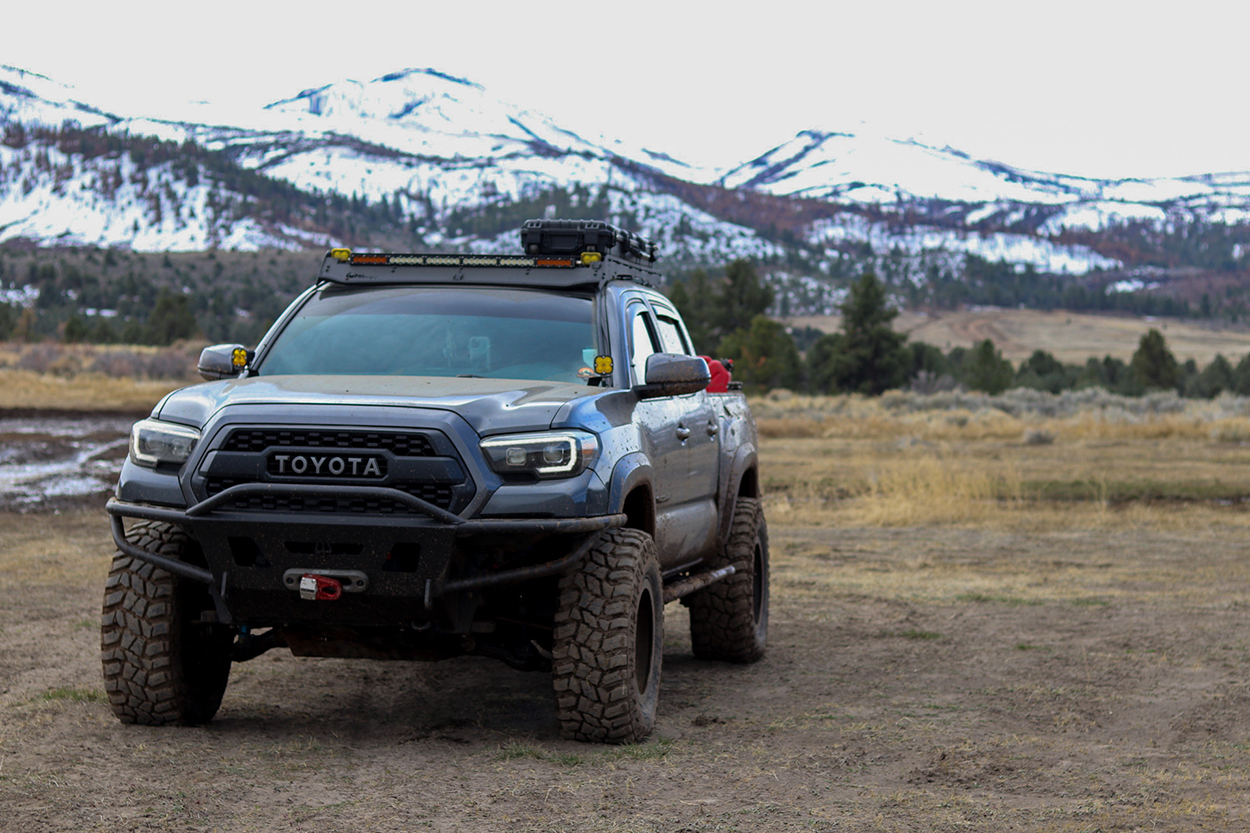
(670, 335)
(643, 342)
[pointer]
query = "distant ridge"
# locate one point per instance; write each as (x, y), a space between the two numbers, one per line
(419, 156)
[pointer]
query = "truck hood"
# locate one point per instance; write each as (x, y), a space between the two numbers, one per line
(490, 406)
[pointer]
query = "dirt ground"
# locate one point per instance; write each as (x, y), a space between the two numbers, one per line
(1084, 677)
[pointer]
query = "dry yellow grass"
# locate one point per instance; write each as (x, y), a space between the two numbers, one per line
(82, 392)
(1071, 337)
(87, 377)
(853, 461)
(926, 489)
(1091, 413)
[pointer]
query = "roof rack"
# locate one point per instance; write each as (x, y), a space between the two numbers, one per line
(578, 237)
(560, 253)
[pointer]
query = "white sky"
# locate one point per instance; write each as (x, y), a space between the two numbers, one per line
(1102, 89)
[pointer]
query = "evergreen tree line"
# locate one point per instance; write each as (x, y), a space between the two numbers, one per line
(982, 282)
(726, 319)
(112, 296)
(988, 283)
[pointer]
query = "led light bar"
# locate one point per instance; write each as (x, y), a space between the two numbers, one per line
(459, 260)
(557, 253)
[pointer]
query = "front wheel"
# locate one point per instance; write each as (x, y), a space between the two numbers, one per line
(609, 641)
(161, 663)
(729, 619)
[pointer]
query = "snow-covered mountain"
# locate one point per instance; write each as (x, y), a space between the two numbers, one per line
(843, 167)
(454, 166)
(433, 146)
(27, 97)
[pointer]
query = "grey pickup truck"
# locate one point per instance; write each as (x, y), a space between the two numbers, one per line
(429, 455)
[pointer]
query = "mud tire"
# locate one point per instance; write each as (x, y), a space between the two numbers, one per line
(609, 641)
(729, 619)
(161, 664)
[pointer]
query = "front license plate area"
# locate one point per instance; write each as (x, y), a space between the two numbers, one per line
(256, 558)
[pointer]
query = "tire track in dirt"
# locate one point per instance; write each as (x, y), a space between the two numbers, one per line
(977, 329)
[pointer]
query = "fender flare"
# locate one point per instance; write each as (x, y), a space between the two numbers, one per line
(745, 459)
(630, 471)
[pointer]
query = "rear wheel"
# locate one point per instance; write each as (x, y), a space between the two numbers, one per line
(729, 619)
(161, 663)
(609, 641)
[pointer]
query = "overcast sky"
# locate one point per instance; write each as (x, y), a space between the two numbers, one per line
(1103, 89)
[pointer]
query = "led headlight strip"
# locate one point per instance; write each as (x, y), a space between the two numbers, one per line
(551, 454)
(153, 442)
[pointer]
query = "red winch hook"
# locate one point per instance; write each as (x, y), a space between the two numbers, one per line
(319, 588)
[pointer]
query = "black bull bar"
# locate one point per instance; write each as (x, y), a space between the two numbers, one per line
(446, 521)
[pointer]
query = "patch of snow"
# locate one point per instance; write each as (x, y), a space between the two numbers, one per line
(23, 296)
(1019, 249)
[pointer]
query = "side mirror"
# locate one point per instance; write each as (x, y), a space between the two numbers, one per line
(223, 361)
(671, 374)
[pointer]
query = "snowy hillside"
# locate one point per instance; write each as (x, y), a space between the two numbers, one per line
(434, 144)
(843, 167)
(429, 144)
(27, 97)
(421, 158)
(69, 200)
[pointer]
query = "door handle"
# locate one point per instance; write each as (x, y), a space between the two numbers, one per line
(683, 433)
(712, 428)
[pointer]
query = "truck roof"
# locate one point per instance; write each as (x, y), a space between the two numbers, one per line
(490, 270)
(556, 253)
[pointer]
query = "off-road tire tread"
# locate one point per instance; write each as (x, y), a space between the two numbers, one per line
(139, 635)
(592, 656)
(722, 616)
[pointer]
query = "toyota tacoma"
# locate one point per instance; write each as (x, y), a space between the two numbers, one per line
(431, 455)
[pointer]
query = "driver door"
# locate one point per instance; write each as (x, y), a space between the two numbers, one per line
(685, 515)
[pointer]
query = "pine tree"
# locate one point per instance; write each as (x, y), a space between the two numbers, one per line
(1154, 364)
(693, 299)
(171, 320)
(8, 319)
(867, 356)
(1214, 379)
(986, 370)
(1241, 377)
(1042, 371)
(764, 355)
(76, 329)
(742, 297)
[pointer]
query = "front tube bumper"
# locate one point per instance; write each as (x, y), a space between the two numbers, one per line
(462, 527)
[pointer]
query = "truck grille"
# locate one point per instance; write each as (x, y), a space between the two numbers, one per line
(242, 443)
(401, 445)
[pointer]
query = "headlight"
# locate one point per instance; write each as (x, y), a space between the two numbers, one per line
(153, 442)
(551, 454)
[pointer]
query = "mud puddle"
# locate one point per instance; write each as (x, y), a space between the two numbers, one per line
(49, 462)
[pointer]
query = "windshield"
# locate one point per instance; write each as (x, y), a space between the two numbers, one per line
(438, 331)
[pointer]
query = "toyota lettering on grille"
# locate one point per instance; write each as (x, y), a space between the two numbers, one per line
(327, 465)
